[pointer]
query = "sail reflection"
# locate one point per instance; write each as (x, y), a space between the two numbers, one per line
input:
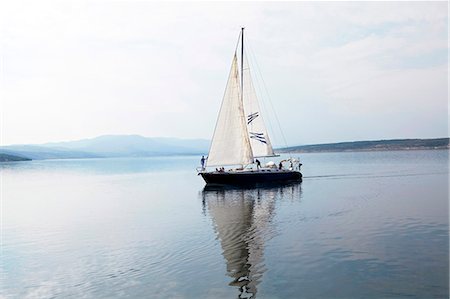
(243, 222)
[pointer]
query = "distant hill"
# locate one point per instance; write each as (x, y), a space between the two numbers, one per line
(377, 145)
(139, 146)
(134, 145)
(110, 146)
(12, 158)
(41, 152)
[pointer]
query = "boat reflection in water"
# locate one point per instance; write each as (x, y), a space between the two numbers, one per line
(243, 222)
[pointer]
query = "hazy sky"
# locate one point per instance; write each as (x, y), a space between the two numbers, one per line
(335, 71)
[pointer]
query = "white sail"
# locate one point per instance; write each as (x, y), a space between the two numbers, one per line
(230, 144)
(259, 139)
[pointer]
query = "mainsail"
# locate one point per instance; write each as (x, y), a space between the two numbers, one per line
(259, 139)
(231, 143)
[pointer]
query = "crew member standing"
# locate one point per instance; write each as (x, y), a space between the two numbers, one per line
(202, 160)
(258, 164)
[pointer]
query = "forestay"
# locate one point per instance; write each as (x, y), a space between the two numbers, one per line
(231, 143)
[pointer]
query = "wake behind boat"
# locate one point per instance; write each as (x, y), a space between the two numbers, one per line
(240, 137)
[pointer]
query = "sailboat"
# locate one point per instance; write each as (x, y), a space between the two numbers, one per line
(240, 137)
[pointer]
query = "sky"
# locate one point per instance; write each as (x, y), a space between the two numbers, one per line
(333, 71)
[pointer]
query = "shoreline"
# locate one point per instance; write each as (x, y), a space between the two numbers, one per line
(365, 150)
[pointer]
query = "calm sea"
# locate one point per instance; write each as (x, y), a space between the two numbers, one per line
(360, 225)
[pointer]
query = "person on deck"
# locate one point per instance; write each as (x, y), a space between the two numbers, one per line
(280, 166)
(202, 160)
(258, 164)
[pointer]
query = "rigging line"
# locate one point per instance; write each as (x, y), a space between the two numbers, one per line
(247, 92)
(238, 41)
(246, 135)
(271, 105)
(263, 104)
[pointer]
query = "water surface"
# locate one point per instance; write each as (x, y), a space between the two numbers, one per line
(360, 225)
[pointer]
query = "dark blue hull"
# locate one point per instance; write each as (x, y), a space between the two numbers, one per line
(251, 177)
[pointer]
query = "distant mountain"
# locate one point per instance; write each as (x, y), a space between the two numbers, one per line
(12, 158)
(133, 145)
(110, 146)
(36, 152)
(139, 146)
(377, 145)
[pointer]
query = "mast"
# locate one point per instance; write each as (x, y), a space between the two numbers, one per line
(242, 64)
